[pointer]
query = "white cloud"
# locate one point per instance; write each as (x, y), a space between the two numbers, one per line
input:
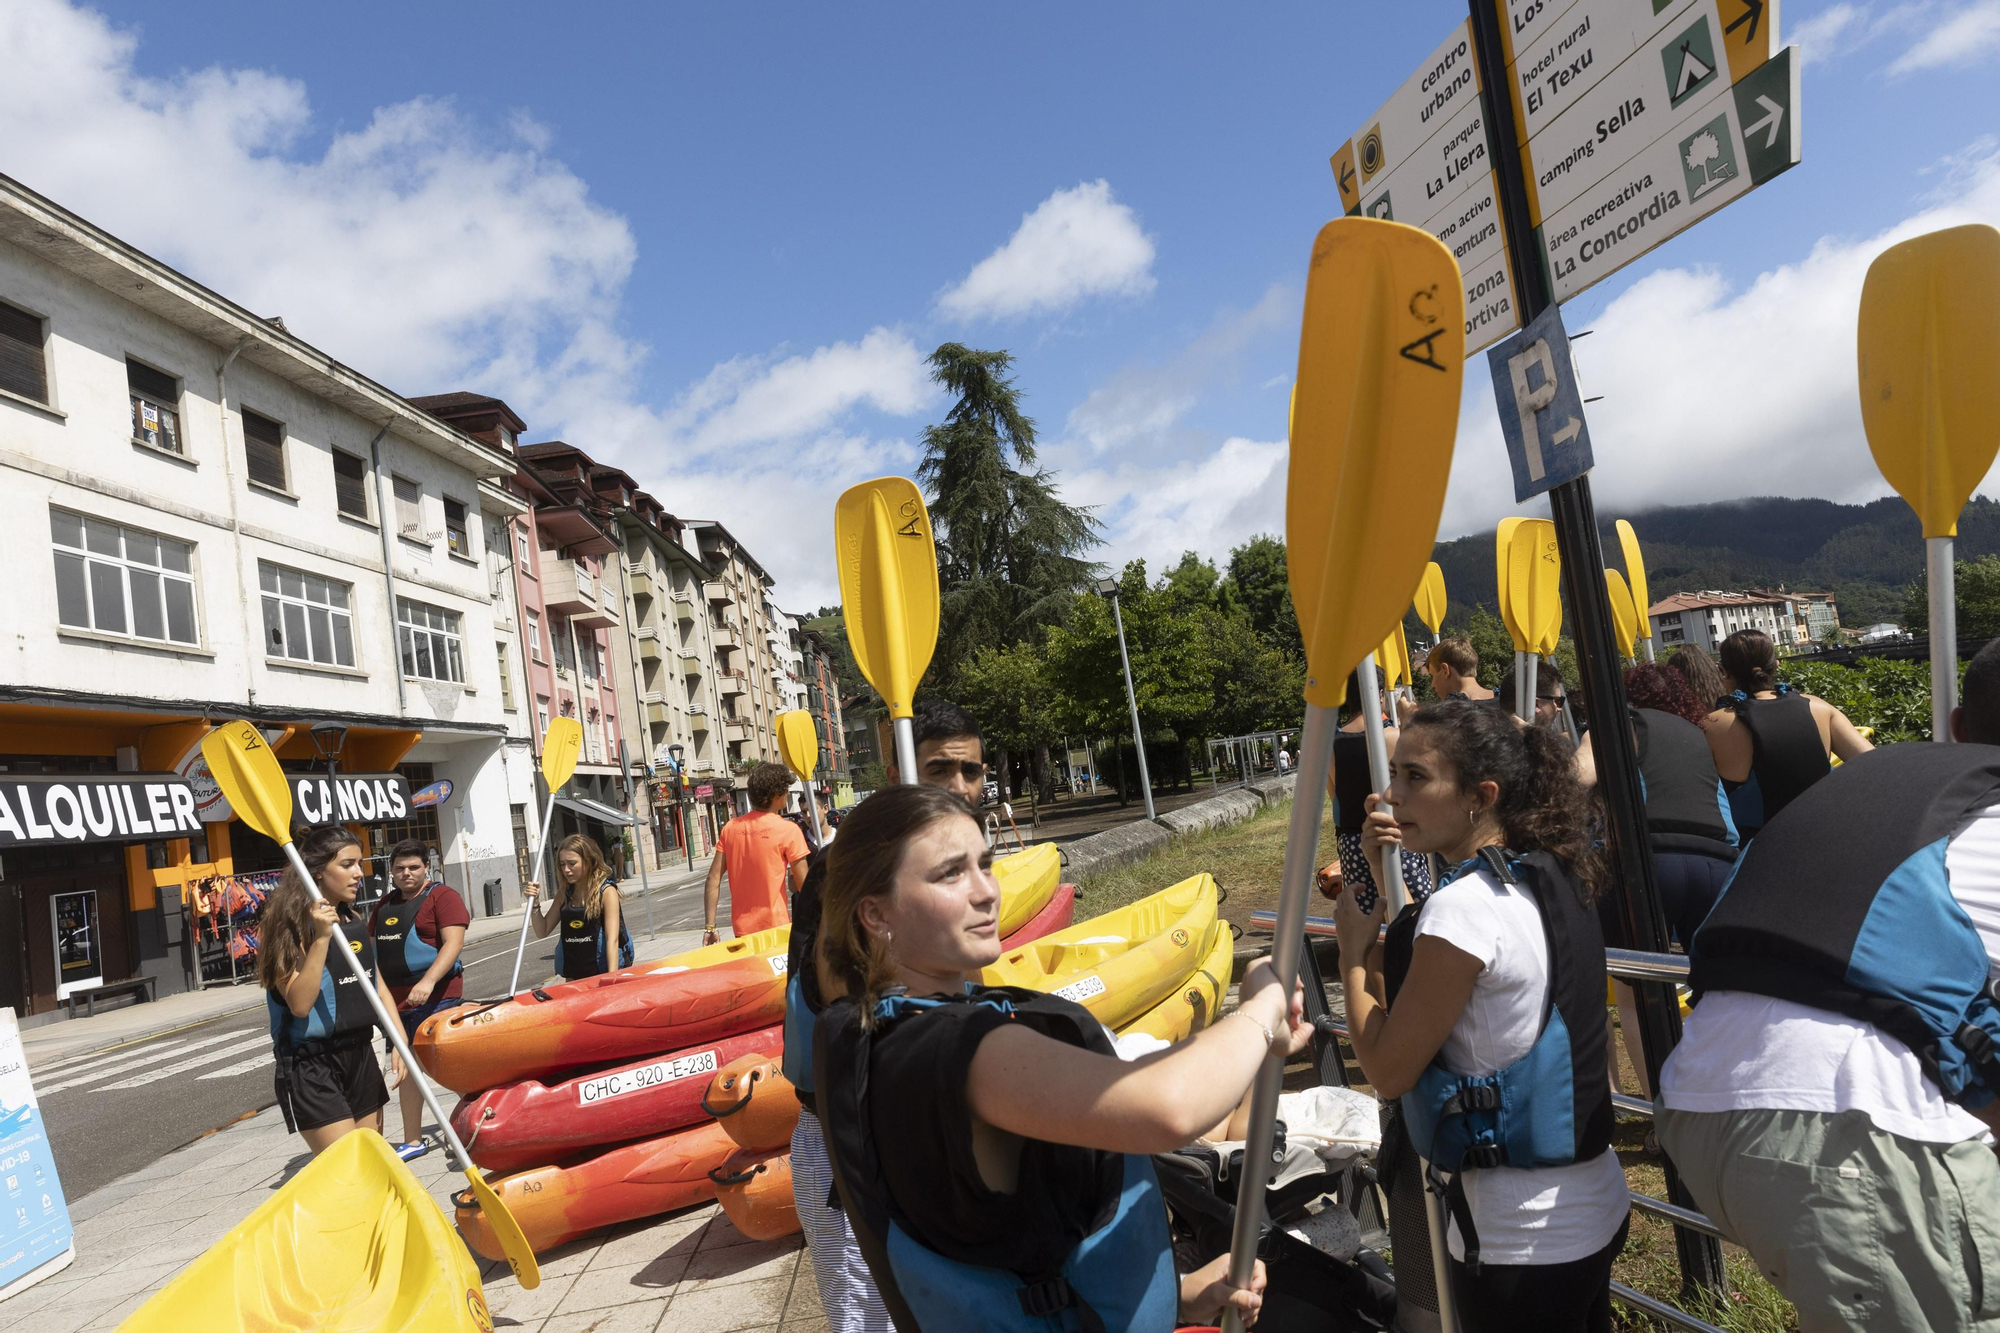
(1965, 36)
(1829, 33)
(1711, 392)
(1077, 243)
(1205, 505)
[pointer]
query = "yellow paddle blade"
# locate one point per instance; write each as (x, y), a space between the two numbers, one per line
(561, 744)
(1533, 577)
(1929, 351)
(1624, 620)
(798, 742)
(249, 776)
(1381, 361)
(1635, 579)
(1430, 598)
(1393, 658)
(888, 585)
(513, 1244)
(1503, 545)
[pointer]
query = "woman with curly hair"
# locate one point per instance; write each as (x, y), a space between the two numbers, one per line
(322, 1026)
(1492, 983)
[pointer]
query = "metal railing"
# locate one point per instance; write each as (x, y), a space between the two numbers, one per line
(1626, 965)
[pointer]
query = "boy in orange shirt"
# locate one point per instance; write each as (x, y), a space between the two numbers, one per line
(760, 851)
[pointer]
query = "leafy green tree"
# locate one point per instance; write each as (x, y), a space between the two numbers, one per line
(1977, 592)
(1011, 553)
(1258, 579)
(1891, 698)
(1009, 691)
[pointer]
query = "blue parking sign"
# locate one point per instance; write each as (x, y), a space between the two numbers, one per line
(1541, 408)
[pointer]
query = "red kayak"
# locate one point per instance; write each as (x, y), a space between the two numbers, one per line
(556, 1204)
(754, 1101)
(599, 1021)
(535, 1121)
(1053, 917)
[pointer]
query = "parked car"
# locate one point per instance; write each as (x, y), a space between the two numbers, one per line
(992, 791)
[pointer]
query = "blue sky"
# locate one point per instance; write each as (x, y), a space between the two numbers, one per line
(712, 245)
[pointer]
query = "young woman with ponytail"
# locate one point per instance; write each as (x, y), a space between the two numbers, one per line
(1771, 742)
(1011, 1133)
(1492, 1030)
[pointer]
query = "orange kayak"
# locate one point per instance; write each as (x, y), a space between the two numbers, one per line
(1054, 916)
(556, 1204)
(534, 1121)
(753, 1100)
(755, 1189)
(598, 1021)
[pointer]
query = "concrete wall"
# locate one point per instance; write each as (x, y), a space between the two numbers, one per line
(1142, 837)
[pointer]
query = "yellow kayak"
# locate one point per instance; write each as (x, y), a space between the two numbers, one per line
(763, 944)
(1027, 881)
(352, 1244)
(1193, 1006)
(1121, 964)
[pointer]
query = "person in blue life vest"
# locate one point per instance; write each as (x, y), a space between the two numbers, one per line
(1830, 1101)
(586, 908)
(418, 929)
(322, 1027)
(989, 1146)
(1493, 1032)
(1771, 742)
(951, 757)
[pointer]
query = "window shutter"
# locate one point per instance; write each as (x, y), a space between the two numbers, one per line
(22, 369)
(264, 450)
(160, 388)
(350, 484)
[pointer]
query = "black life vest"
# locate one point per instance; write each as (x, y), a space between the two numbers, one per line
(1687, 809)
(341, 1012)
(399, 951)
(1786, 757)
(1120, 1276)
(1552, 1106)
(1844, 903)
(581, 952)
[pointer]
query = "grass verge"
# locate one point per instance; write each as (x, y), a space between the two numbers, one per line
(1247, 860)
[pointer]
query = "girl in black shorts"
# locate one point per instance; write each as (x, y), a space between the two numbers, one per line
(322, 1028)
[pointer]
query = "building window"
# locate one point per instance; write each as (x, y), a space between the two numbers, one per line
(541, 715)
(306, 618)
(564, 651)
(521, 546)
(350, 484)
(409, 508)
(506, 679)
(118, 580)
(587, 656)
(23, 362)
(264, 450)
(156, 399)
(455, 536)
(534, 636)
(429, 638)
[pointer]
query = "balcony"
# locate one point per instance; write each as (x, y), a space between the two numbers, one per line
(683, 606)
(715, 591)
(737, 729)
(691, 664)
(642, 581)
(733, 682)
(725, 635)
(658, 714)
(568, 589)
(649, 650)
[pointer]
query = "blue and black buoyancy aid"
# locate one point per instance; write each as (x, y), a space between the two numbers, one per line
(1551, 1107)
(1787, 756)
(341, 1013)
(581, 952)
(1118, 1275)
(1844, 903)
(1687, 808)
(400, 952)
(802, 998)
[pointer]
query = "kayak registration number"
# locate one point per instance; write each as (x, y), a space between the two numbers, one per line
(644, 1077)
(1079, 991)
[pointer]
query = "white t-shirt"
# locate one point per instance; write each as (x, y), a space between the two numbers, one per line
(1743, 1052)
(1540, 1215)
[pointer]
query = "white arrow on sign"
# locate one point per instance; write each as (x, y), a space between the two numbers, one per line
(1773, 116)
(1568, 432)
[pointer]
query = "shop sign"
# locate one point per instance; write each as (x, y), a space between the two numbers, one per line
(351, 798)
(209, 802)
(79, 808)
(35, 1235)
(704, 791)
(436, 794)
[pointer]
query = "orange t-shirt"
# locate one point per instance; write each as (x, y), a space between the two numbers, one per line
(757, 849)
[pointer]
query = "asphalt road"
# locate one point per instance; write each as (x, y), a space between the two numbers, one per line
(116, 1109)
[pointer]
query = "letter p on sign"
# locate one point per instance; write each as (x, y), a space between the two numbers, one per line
(1541, 408)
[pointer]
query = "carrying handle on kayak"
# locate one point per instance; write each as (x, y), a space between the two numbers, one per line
(751, 1076)
(722, 1175)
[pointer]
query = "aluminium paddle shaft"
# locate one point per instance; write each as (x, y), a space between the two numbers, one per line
(528, 906)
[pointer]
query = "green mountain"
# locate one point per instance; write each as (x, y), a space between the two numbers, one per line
(1867, 555)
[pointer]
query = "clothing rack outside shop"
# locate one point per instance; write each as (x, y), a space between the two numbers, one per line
(222, 912)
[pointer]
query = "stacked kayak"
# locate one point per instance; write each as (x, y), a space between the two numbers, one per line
(351, 1244)
(1028, 880)
(1192, 1007)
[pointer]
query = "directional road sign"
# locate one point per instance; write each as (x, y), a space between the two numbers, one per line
(1541, 408)
(1428, 179)
(1443, 86)
(1687, 57)
(1723, 148)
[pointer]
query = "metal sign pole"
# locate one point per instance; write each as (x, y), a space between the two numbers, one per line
(1603, 684)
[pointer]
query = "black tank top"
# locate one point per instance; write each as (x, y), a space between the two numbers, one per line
(1351, 783)
(1686, 810)
(1786, 753)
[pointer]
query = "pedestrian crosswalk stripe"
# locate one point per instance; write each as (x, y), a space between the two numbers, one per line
(117, 1067)
(182, 1066)
(241, 1066)
(77, 1064)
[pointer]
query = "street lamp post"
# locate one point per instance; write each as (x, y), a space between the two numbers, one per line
(680, 802)
(1109, 588)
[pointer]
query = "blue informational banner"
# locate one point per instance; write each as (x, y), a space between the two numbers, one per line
(1541, 407)
(35, 1236)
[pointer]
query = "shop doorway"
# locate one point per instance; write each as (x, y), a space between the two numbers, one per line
(71, 920)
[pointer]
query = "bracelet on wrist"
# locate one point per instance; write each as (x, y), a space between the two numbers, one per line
(1270, 1037)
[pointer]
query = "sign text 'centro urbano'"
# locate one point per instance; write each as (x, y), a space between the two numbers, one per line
(350, 798)
(51, 809)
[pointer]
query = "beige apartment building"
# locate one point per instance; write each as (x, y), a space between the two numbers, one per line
(747, 665)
